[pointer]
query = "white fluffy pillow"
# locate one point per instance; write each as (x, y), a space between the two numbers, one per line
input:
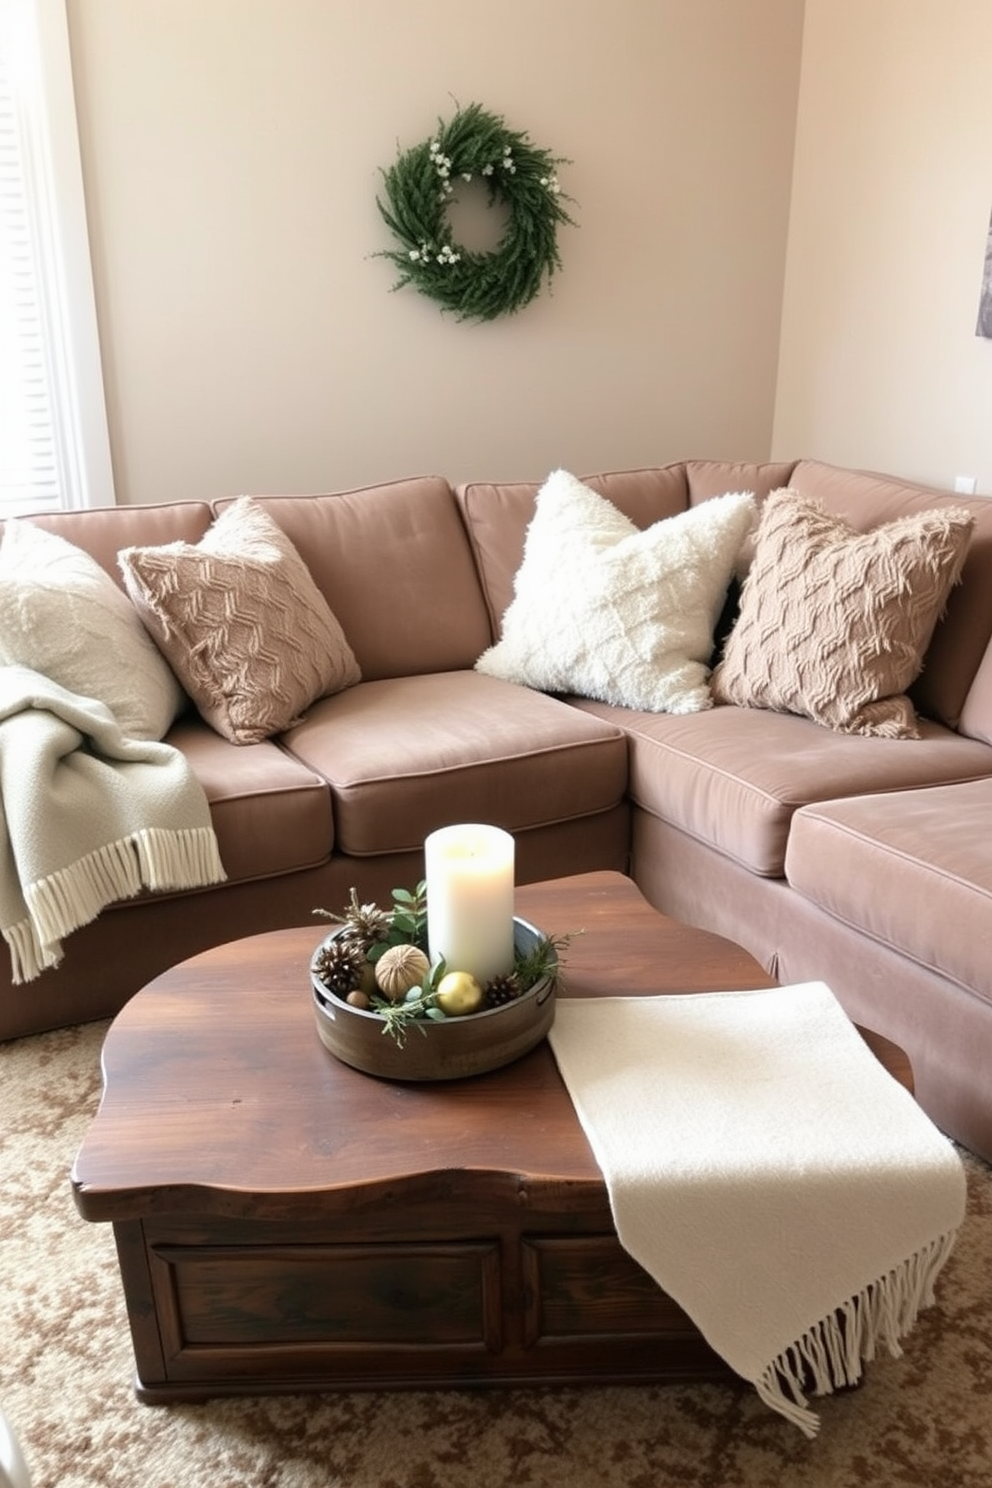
(61, 614)
(609, 611)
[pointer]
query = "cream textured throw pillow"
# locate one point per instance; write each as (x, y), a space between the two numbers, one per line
(62, 615)
(242, 622)
(607, 610)
(834, 623)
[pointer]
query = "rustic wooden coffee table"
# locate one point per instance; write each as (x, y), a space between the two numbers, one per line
(286, 1223)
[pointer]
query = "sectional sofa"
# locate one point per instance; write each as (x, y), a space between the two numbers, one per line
(860, 858)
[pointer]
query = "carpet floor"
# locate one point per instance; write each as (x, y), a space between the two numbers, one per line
(922, 1421)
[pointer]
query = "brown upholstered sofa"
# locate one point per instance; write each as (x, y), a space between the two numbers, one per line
(862, 861)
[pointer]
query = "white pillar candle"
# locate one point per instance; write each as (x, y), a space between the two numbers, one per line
(469, 873)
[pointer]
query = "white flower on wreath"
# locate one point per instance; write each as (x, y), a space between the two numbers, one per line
(441, 162)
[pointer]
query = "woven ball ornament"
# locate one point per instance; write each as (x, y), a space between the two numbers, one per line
(422, 182)
(399, 969)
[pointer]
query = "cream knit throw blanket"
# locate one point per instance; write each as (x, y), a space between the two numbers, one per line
(774, 1180)
(87, 816)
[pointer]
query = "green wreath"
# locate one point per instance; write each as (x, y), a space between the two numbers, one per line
(418, 188)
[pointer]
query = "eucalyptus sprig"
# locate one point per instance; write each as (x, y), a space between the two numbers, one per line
(407, 921)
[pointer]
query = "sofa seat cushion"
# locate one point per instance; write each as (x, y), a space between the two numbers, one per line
(410, 754)
(913, 872)
(270, 812)
(734, 777)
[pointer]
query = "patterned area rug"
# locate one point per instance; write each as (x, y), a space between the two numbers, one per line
(65, 1372)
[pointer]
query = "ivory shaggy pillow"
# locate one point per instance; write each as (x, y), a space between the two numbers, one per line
(242, 623)
(611, 611)
(62, 615)
(833, 622)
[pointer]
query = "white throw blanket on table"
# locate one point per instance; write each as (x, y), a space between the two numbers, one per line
(88, 816)
(769, 1174)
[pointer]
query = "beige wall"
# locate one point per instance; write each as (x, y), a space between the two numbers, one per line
(880, 366)
(231, 156)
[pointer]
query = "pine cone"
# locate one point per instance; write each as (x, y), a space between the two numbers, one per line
(338, 964)
(503, 989)
(363, 923)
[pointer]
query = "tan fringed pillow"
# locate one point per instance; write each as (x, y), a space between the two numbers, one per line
(834, 623)
(242, 623)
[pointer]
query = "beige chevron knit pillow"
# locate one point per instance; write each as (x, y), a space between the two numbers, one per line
(834, 623)
(242, 623)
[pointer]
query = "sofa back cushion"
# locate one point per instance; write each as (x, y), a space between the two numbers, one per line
(706, 478)
(103, 531)
(959, 640)
(498, 513)
(394, 564)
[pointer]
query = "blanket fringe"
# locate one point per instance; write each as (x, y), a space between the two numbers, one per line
(830, 1355)
(178, 860)
(28, 959)
(154, 858)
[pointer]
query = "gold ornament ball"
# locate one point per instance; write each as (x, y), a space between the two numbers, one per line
(459, 993)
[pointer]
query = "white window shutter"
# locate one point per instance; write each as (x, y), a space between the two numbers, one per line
(54, 447)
